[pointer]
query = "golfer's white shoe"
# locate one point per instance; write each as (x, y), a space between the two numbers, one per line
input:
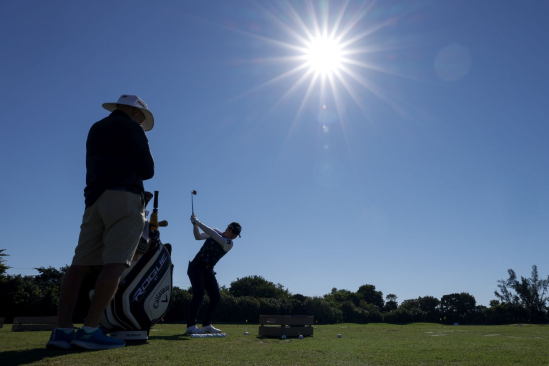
(193, 329)
(210, 329)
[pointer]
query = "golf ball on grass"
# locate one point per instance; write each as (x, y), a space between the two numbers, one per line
(300, 336)
(283, 336)
(246, 333)
(339, 336)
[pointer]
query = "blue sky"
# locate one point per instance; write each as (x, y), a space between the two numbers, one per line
(420, 168)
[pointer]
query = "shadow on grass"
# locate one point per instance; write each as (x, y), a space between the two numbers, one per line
(174, 337)
(14, 358)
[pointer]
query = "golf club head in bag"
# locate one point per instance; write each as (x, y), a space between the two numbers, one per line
(144, 295)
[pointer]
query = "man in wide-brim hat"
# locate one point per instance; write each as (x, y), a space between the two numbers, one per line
(133, 101)
(118, 160)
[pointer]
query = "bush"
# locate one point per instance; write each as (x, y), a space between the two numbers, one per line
(270, 307)
(227, 311)
(321, 310)
(258, 287)
(296, 306)
(24, 296)
(403, 315)
(505, 314)
(353, 314)
(179, 310)
(247, 309)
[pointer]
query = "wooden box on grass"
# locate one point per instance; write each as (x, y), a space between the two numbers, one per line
(288, 325)
(34, 323)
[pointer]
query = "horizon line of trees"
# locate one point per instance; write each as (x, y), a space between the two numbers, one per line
(517, 300)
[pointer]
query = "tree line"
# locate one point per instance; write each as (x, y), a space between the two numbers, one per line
(516, 300)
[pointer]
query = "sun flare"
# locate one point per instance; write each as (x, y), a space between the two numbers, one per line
(324, 55)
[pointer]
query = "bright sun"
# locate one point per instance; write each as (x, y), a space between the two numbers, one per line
(324, 55)
(327, 52)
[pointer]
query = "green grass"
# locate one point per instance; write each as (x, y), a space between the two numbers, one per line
(370, 344)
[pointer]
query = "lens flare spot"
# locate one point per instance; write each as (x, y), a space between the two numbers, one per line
(329, 172)
(453, 62)
(327, 116)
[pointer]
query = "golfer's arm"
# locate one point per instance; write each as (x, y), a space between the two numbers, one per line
(225, 243)
(198, 235)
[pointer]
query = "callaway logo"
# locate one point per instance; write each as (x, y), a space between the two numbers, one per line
(159, 296)
(152, 277)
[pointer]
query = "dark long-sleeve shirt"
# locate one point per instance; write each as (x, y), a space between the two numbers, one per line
(212, 251)
(117, 156)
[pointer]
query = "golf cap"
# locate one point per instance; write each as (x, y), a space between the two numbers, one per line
(134, 101)
(235, 228)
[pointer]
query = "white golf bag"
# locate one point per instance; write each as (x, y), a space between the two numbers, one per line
(144, 295)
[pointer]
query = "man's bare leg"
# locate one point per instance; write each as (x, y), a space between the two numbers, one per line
(105, 288)
(68, 294)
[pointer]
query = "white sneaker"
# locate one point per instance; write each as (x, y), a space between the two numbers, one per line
(194, 330)
(210, 329)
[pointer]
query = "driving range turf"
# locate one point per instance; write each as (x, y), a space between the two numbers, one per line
(365, 344)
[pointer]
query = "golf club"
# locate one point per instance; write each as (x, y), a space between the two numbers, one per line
(153, 221)
(193, 193)
(155, 204)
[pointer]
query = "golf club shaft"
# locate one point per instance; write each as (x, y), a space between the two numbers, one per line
(155, 205)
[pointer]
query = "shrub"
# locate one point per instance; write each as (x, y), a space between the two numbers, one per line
(403, 315)
(321, 310)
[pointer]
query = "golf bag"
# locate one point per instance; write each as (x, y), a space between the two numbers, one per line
(144, 294)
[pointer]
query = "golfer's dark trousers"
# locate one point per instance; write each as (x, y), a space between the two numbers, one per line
(202, 278)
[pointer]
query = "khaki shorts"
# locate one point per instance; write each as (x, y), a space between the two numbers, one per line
(110, 229)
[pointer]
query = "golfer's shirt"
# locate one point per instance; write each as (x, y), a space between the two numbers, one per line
(212, 251)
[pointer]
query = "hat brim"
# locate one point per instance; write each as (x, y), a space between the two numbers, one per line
(147, 124)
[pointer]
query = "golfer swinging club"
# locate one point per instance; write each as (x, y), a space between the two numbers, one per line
(201, 271)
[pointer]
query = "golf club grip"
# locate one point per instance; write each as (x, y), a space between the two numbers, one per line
(155, 199)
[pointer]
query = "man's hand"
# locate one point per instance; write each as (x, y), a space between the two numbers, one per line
(194, 219)
(153, 222)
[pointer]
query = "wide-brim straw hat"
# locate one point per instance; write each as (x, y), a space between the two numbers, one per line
(134, 101)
